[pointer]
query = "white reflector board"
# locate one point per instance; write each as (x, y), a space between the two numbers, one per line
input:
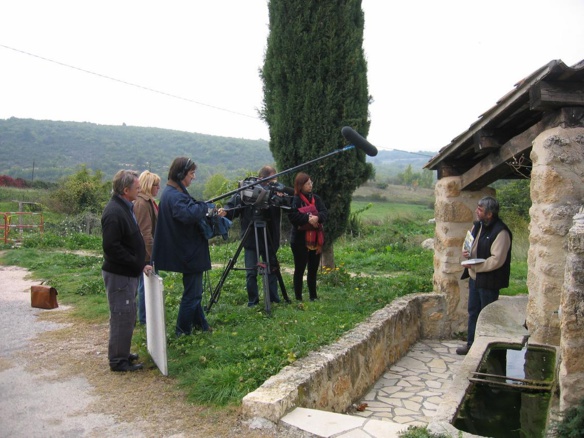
(155, 321)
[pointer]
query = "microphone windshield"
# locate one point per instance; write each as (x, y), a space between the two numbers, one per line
(355, 139)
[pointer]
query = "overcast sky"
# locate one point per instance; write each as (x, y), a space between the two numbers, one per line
(192, 65)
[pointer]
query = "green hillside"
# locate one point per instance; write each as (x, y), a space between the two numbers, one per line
(56, 149)
(44, 150)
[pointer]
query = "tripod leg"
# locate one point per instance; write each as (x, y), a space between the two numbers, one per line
(266, 287)
(264, 266)
(275, 269)
(217, 291)
(282, 285)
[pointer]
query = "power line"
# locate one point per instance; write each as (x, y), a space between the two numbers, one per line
(127, 83)
(152, 90)
(413, 153)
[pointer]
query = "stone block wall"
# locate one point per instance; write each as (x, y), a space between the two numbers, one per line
(454, 213)
(337, 375)
(571, 373)
(557, 192)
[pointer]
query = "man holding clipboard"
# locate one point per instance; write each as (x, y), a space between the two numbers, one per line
(488, 252)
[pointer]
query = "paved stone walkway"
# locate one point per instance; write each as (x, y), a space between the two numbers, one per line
(408, 394)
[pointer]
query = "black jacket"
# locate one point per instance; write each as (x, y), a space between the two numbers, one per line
(179, 243)
(248, 213)
(297, 219)
(124, 251)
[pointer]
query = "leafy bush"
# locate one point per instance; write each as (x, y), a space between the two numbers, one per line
(7, 181)
(355, 226)
(81, 192)
(514, 198)
(419, 432)
(572, 423)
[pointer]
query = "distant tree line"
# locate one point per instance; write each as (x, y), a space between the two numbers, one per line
(7, 181)
(424, 178)
(21, 183)
(50, 150)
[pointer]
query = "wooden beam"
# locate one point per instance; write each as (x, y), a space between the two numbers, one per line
(446, 169)
(545, 95)
(495, 164)
(484, 140)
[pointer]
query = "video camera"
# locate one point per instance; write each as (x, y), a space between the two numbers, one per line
(273, 194)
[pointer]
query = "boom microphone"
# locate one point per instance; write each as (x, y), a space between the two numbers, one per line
(354, 138)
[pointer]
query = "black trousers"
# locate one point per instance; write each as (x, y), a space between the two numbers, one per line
(303, 258)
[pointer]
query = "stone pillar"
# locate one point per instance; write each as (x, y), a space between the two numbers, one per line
(556, 193)
(571, 373)
(454, 213)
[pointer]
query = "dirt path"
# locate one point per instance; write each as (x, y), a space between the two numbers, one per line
(54, 381)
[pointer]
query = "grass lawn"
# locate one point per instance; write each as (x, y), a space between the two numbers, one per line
(247, 346)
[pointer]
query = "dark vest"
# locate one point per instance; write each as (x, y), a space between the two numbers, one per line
(499, 278)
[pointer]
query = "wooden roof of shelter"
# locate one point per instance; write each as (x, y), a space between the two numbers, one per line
(498, 145)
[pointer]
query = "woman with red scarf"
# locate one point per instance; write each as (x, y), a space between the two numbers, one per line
(307, 215)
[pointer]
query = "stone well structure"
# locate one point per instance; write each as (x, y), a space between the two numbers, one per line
(555, 309)
(536, 131)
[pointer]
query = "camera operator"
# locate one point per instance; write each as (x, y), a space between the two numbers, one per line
(248, 214)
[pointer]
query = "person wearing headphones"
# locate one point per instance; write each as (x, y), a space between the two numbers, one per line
(180, 246)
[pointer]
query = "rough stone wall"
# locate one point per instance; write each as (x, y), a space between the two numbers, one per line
(339, 374)
(557, 191)
(571, 373)
(454, 213)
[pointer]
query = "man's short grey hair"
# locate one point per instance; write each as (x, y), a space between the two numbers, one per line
(266, 171)
(123, 179)
(490, 204)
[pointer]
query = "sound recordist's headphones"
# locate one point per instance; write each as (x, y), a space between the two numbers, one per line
(183, 173)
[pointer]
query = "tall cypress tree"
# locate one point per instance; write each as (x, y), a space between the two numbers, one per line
(315, 82)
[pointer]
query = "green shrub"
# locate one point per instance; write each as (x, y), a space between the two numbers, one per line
(81, 192)
(572, 423)
(419, 432)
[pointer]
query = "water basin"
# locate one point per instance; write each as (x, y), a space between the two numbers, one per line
(509, 394)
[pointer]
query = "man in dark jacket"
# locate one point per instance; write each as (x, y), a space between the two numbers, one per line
(124, 261)
(489, 266)
(249, 216)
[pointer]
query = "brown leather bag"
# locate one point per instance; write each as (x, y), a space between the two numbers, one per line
(43, 297)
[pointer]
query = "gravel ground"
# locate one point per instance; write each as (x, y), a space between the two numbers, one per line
(55, 381)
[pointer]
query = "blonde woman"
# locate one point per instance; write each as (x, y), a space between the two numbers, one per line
(146, 212)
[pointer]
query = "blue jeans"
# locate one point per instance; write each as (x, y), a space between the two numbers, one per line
(190, 311)
(141, 303)
(478, 299)
(251, 278)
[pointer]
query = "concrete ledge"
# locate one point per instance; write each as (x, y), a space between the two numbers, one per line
(337, 375)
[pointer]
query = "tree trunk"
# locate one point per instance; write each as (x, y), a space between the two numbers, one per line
(328, 256)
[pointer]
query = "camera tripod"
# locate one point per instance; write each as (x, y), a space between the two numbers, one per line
(263, 266)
